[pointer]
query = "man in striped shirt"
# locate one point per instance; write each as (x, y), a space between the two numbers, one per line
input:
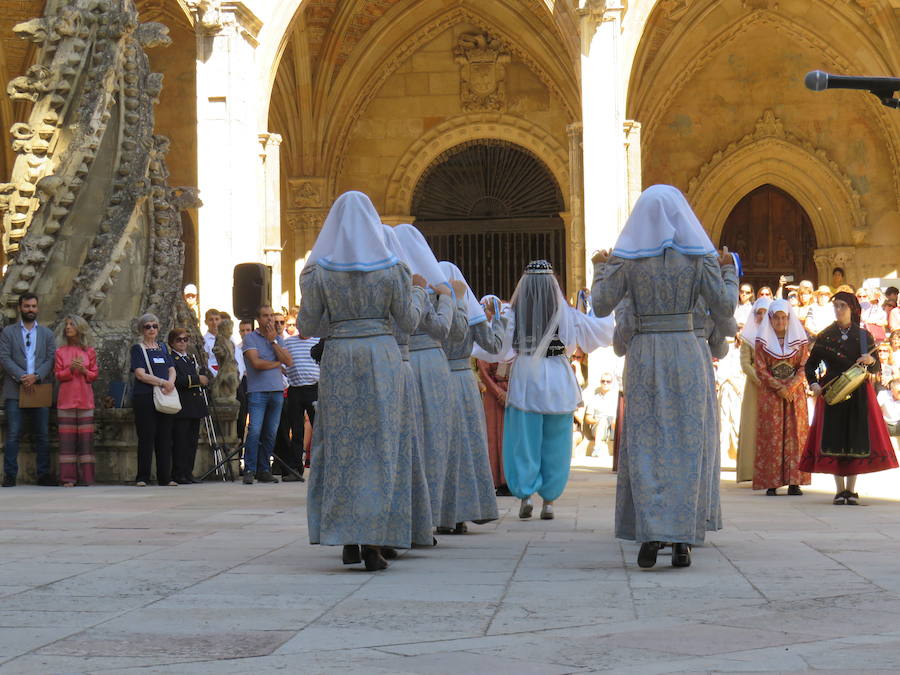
(303, 390)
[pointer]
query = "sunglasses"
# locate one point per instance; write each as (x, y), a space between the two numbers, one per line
(182, 338)
(149, 326)
(279, 323)
(605, 381)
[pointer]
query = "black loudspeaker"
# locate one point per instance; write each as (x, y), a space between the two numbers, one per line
(251, 289)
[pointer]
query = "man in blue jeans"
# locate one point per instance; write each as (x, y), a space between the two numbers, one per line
(26, 356)
(264, 355)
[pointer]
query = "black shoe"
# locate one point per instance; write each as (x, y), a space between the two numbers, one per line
(373, 559)
(248, 478)
(292, 478)
(647, 554)
(265, 477)
(681, 555)
(440, 529)
(350, 555)
(183, 481)
(9, 481)
(194, 479)
(47, 481)
(771, 492)
(839, 499)
(852, 498)
(795, 491)
(460, 528)
(503, 491)
(389, 553)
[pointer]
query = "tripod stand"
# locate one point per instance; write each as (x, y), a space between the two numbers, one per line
(222, 456)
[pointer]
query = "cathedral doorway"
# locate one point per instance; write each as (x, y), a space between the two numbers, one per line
(491, 207)
(773, 235)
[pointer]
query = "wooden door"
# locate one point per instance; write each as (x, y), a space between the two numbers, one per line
(773, 235)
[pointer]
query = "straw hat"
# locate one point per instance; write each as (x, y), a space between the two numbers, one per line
(823, 290)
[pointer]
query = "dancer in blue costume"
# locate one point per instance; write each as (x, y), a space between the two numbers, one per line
(665, 262)
(354, 292)
(412, 433)
(428, 361)
(468, 493)
(543, 394)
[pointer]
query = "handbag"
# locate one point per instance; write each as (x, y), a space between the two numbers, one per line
(168, 404)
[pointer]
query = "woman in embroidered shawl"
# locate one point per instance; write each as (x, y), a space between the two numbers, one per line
(849, 437)
(354, 292)
(495, 380)
(665, 262)
(782, 418)
(746, 456)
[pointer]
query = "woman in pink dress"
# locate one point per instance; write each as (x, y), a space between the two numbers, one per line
(75, 368)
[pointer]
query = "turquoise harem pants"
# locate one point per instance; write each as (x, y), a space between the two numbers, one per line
(537, 452)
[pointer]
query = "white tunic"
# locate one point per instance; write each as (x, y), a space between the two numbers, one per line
(551, 388)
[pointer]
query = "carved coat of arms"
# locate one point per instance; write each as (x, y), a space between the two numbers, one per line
(482, 63)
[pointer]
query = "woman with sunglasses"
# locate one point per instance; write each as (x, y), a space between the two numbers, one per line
(189, 381)
(154, 429)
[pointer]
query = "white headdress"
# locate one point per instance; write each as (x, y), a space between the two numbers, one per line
(474, 310)
(351, 239)
(538, 304)
(661, 219)
(418, 255)
(751, 327)
(794, 337)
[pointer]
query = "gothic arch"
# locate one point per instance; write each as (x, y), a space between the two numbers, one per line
(772, 155)
(462, 128)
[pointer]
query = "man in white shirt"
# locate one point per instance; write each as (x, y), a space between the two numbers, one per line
(600, 412)
(212, 318)
(889, 401)
(821, 314)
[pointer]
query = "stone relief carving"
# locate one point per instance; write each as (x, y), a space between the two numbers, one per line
(307, 192)
(117, 253)
(482, 61)
(208, 14)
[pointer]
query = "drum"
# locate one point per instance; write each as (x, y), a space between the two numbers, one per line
(840, 389)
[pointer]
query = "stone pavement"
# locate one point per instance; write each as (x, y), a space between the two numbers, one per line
(220, 578)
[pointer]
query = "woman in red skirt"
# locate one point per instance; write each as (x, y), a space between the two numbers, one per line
(847, 438)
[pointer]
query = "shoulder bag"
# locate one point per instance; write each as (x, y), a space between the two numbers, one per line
(168, 404)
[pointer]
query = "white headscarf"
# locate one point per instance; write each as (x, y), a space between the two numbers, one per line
(418, 255)
(351, 239)
(794, 337)
(474, 310)
(661, 219)
(751, 328)
(393, 244)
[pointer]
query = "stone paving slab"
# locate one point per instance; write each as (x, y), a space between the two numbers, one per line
(220, 578)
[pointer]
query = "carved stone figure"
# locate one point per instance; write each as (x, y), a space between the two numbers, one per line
(29, 86)
(224, 387)
(482, 63)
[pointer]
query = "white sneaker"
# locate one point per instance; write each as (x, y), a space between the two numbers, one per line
(140, 483)
(547, 511)
(525, 508)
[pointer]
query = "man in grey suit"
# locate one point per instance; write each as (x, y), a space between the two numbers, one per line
(27, 351)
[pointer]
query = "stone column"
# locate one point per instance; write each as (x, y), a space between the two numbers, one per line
(231, 222)
(575, 217)
(633, 161)
(307, 205)
(603, 96)
(270, 175)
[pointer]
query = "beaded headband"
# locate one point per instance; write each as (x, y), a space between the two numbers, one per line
(539, 267)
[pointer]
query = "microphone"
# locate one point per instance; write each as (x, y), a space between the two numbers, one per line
(882, 87)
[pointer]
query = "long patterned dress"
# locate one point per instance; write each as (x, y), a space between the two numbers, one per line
(781, 426)
(666, 490)
(468, 492)
(412, 434)
(495, 377)
(747, 435)
(359, 485)
(432, 375)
